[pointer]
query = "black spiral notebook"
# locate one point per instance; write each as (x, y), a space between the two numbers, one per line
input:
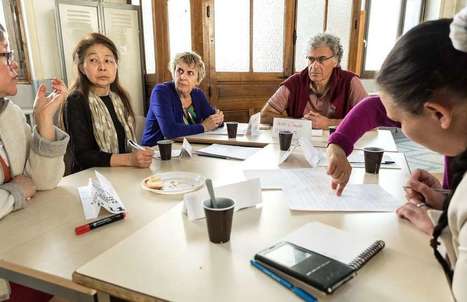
(324, 257)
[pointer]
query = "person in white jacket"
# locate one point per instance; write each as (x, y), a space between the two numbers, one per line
(29, 160)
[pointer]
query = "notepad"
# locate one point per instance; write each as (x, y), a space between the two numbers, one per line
(352, 250)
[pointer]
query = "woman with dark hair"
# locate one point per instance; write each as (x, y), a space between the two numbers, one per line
(423, 85)
(97, 114)
(370, 113)
(28, 161)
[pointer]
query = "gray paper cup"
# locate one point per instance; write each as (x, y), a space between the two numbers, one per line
(165, 149)
(373, 157)
(285, 139)
(219, 220)
(232, 129)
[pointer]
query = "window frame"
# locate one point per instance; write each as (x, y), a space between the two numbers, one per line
(371, 74)
(17, 38)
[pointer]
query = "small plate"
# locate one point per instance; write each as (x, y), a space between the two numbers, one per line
(177, 183)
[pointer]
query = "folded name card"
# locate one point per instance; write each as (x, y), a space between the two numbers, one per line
(245, 194)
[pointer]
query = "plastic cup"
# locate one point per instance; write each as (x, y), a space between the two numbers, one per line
(165, 149)
(219, 219)
(285, 139)
(232, 129)
(373, 157)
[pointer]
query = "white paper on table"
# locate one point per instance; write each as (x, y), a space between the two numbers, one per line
(308, 192)
(253, 125)
(228, 151)
(299, 127)
(99, 193)
(90, 207)
(285, 154)
(187, 148)
(312, 155)
(245, 194)
(241, 130)
(357, 160)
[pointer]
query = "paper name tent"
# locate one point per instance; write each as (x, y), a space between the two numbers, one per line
(245, 194)
(99, 193)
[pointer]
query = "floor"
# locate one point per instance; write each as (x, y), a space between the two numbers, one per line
(418, 157)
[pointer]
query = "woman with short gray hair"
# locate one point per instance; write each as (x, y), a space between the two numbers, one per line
(322, 92)
(178, 108)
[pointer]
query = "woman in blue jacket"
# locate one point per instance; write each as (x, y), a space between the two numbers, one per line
(177, 107)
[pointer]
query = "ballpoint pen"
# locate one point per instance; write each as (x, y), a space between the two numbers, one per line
(439, 190)
(135, 145)
(305, 296)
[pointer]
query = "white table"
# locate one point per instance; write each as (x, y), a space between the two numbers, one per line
(172, 259)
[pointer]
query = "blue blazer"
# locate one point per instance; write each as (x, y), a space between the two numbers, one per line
(165, 114)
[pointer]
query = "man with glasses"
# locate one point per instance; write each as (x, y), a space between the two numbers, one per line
(322, 92)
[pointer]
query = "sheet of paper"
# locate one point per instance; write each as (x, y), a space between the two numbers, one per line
(241, 130)
(228, 151)
(187, 148)
(99, 193)
(253, 124)
(108, 197)
(357, 160)
(90, 206)
(330, 241)
(298, 127)
(312, 155)
(245, 194)
(317, 195)
(285, 154)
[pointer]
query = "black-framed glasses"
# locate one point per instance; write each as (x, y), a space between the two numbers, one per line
(320, 60)
(10, 57)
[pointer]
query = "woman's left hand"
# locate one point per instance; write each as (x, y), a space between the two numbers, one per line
(415, 212)
(318, 120)
(45, 107)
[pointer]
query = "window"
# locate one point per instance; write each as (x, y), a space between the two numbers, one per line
(249, 35)
(385, 22)
(10, 17)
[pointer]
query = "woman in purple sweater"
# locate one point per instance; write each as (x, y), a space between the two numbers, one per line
(177, 107)
(367, 115)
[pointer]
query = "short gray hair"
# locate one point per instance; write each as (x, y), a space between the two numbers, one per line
(190, 58)
(327, 40)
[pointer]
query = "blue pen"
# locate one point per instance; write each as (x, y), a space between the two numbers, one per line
(305, 296)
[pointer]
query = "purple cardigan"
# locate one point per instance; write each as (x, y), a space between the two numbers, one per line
(366, 115)
(165, 115)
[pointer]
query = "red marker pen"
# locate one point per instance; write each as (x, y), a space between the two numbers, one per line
(98, 223)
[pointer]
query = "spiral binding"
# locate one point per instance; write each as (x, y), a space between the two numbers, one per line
(366, 255)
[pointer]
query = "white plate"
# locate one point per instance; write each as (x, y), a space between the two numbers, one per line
(177, 182)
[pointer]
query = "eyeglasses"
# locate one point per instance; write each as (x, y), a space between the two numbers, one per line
(10, 57)
(320, 60)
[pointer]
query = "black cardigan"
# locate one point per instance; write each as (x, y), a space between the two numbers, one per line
(83, 150)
